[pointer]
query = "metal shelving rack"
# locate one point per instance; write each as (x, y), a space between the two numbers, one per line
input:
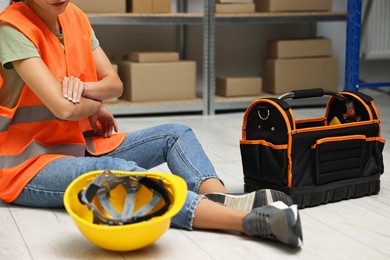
(208, 103)
(180, 19)
(352, 60)
(220, 103)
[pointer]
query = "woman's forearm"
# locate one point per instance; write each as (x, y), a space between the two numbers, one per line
(85, 108)
(108, 84)
(106, 88)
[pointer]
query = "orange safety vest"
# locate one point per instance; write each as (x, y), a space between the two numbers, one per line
(30, 135)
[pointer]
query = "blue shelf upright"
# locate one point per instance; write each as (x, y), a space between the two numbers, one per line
(352, 59)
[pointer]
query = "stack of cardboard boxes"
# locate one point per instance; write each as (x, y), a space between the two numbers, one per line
(157, 76)
(235, 6)
(299, 64)
(123, 6)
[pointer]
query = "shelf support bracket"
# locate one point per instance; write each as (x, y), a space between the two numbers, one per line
(209, 56)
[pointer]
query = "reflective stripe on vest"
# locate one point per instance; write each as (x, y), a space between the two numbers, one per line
(36, 149)
(27, 115)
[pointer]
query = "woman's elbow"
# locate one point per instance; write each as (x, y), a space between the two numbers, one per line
(73, 112)
(64, 114)
(67, 111)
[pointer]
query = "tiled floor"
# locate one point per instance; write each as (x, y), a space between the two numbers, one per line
(351, 229)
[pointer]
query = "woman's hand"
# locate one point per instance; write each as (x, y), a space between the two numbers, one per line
(73, 89)
(106, 120)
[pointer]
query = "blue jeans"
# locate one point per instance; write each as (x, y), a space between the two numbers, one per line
(174, 144)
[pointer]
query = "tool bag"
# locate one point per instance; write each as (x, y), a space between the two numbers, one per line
(317, 160)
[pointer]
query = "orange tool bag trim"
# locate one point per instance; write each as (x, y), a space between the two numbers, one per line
(318, 160)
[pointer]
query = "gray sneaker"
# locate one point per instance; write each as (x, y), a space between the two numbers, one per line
(249, 201)
(276, 222)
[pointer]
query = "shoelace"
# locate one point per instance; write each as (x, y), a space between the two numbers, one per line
(257, 223)
(262, 225)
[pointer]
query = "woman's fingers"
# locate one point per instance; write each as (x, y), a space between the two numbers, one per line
(72, 89)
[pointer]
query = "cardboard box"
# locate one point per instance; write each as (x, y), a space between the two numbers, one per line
(161, 6)
(292, 5)
(235, 8)
(283, 75)
(238, 86)
(139, 6)
(101, 6)
(153, 56)
(149, 6)
(299, 48)
(158, 81)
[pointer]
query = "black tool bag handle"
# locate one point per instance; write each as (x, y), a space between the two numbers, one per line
(320, 92)
(314, 92)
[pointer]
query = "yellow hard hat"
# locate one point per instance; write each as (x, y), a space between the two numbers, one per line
(124, 211)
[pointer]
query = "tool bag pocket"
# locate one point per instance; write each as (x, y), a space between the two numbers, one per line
(264, 161)
(345, 157)
(339, 158)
